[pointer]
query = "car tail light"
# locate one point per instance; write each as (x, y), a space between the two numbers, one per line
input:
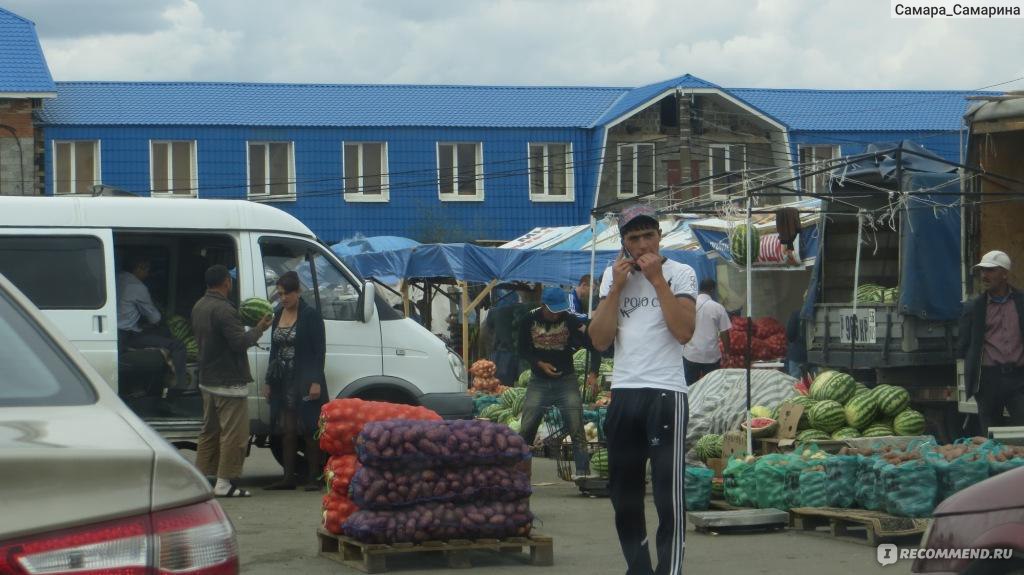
(193, 540)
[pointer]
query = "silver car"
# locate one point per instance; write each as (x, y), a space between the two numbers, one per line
(85, 485)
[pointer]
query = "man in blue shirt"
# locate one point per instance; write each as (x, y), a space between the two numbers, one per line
(138, 319)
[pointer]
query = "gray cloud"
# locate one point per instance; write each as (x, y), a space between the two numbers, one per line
(738, 43)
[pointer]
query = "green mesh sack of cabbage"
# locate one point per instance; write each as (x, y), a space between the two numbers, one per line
(813, 487)
(697, 485)
(909, 489)
(739, 483)
(841, 489)
(770, 477)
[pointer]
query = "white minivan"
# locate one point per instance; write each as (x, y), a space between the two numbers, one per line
(64, 254)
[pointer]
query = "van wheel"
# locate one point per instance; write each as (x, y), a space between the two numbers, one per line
(278, 451)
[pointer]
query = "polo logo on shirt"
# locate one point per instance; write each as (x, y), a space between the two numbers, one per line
(631, 304)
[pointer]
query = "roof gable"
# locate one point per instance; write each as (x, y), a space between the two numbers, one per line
(22, 64)
(639, 96)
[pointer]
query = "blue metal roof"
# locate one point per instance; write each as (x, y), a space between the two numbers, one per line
(860, 110)
(639, 96)
(333, 105)
(320, 105)
(22, 65)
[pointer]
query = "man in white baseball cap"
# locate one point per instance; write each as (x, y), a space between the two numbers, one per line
(992, 344)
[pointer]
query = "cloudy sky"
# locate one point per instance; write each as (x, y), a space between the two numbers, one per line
(734, 43)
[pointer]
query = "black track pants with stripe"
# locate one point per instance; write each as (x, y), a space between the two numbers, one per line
(647, 424)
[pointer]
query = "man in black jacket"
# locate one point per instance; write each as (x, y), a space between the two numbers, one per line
(548, 337)
(992, 345)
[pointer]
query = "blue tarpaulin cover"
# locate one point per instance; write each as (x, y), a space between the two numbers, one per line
(929, 232)
(481, 265)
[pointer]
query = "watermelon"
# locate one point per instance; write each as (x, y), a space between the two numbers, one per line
(861, 410)
(827, 416)
(890, 399)
(891, 295)
(524, 378)
(761, 426)
(738, 244)
(908, 422)
(491, 412)
(513, 399)
(877, 430)
(845, 433)
(191, 348)
(515, 425)
(858, 392)
(709, 446)
(870, 293)
(807, 404)
(599, 462)
(579, 361)
(761, 411)
(254, 309)
(179, 327)
(834, 385)
(809, 435)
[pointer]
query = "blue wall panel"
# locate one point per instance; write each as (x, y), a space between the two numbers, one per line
(414, 209)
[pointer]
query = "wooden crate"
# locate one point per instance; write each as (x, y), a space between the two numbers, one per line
(372, 558)
(858, 525)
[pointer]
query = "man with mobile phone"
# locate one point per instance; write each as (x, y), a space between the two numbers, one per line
(647, 310)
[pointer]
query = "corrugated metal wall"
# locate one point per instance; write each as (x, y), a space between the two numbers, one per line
(414, 209)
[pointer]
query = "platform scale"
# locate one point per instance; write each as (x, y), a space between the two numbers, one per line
(738, 521)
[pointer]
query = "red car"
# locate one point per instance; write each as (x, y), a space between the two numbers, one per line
(986, 516)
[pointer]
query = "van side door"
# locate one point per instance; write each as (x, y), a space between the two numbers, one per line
(68, 273)
(353, 346)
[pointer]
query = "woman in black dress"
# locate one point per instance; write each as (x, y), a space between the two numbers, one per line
(296, 384)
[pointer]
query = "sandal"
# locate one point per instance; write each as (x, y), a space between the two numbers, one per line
(235, 492)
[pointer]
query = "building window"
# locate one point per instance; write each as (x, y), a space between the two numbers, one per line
(636, 169)
(723, 159)
(76, 167)
(812, 159)
(551, 173)
(460, 171)
(366, 172)
(272, 170)
(173, 168)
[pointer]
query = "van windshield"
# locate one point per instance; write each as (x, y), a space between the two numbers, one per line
(35, 371)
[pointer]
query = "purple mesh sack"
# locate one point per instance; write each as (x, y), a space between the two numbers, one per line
(441, 521)
(407, 444)
(373, 488)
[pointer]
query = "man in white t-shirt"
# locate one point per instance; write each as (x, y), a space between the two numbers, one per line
(647, 311)
(701, 355)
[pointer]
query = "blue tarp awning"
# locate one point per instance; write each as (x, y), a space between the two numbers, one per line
(480, 265)
(717, 241)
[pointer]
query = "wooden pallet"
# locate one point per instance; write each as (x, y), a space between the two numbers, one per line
(858, 525)
(372, 558)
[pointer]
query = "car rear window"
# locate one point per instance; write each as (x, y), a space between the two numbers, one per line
(35, 371)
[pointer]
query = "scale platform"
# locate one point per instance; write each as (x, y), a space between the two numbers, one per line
(738, 521)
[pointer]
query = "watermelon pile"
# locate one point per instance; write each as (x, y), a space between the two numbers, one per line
(738, 244)
(509, 408)
(181, 330)
(876, 294)
(838, 407)
(254, 309)
(587, 395)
